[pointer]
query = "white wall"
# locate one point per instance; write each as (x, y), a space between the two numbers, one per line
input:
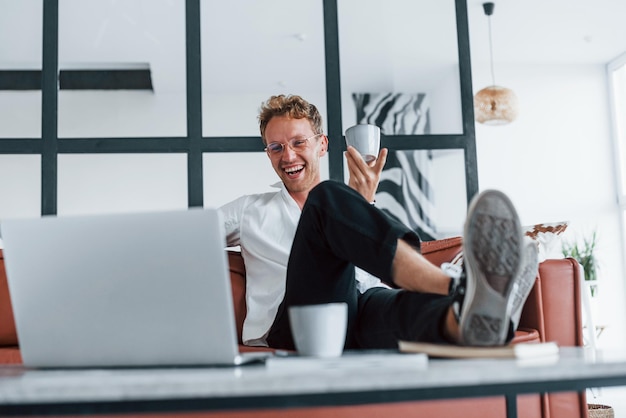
(555, 162)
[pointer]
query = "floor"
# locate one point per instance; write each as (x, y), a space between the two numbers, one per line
(614, 397)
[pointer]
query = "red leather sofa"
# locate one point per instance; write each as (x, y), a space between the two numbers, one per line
(551, 313)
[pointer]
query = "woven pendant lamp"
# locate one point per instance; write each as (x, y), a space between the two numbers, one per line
(494, 105)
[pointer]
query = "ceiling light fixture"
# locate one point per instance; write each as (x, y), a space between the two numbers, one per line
(494, 105)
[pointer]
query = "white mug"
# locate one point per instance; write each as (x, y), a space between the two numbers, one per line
(366, 140)
(319, 330)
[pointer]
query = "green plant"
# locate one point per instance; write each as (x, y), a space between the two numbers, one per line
(585, 255)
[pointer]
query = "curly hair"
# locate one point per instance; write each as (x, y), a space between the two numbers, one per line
(291, 106)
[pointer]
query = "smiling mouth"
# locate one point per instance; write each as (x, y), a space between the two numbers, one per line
(294, 170)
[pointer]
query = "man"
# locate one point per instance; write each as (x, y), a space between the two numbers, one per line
(301, 245)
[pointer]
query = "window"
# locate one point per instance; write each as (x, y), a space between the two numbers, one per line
(617, 85)
(184, 130)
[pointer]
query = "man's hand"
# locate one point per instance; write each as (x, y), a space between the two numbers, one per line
(364, 177)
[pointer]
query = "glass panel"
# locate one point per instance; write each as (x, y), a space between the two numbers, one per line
(421, 189)
(392, 47)
(619, 95)
(20, 110)
(144, 37)
(20, 114)
(224, 181)
(112, 183)
(447, 178)
(20, 188)
(252, 50)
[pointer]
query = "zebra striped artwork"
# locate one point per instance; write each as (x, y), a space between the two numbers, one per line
(404, 191)
(394, 113)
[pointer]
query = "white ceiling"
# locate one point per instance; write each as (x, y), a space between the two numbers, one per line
(270, 44)
(550, 31)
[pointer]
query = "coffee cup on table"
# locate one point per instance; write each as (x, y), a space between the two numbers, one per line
(366, 139)
(319, 330)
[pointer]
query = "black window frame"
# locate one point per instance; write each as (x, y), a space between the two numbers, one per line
(49, 146)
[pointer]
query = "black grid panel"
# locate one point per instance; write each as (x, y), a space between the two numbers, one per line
(194, 144)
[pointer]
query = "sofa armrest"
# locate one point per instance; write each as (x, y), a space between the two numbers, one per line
(238, 286)
(554, 308)
(8, 334)
(554, 305)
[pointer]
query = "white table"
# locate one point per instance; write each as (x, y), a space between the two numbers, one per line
(25, 392)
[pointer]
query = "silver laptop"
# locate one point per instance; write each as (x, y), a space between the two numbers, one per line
(149, 289)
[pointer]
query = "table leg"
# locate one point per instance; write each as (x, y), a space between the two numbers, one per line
(511, 406)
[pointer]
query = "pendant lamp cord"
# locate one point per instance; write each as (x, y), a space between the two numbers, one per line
(493, 77)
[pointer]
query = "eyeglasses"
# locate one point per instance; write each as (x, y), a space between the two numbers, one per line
(296, 144)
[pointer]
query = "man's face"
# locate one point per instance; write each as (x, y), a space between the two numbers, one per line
(299, 170)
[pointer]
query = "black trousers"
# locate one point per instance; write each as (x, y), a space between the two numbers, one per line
(339, 230)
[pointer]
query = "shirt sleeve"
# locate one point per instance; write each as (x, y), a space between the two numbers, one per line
(231, 215)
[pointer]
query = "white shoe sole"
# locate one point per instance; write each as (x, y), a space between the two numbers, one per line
(492, 251)
(524, 283)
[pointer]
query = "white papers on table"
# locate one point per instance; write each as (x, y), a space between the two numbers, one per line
(349, 360)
